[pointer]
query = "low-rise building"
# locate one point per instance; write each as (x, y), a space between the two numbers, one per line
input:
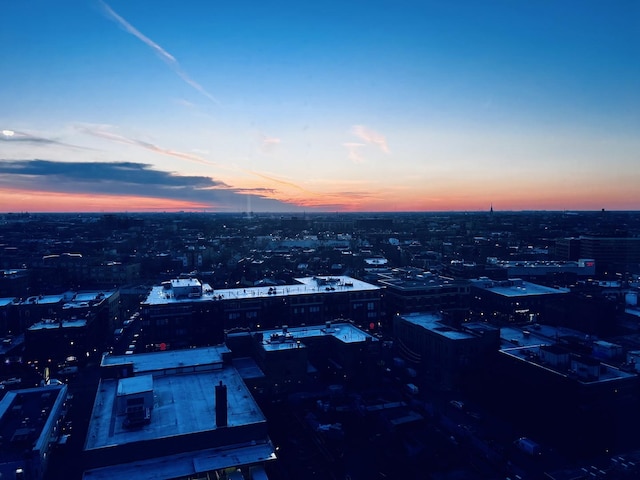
(511, 301)
(551, 382)
(30, 421)
(186, 312)
(444, 355)
(338, 348)
(173, 415)
(409, 291)
(541, 270)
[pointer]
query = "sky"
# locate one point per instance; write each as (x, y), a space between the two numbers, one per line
(289, 106)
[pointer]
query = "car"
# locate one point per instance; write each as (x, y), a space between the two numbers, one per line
(457, 404)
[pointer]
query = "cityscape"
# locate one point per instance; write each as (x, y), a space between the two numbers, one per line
(189, 345)
(319, 240)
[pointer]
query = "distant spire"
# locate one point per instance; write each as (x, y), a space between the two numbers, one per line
(491, 211)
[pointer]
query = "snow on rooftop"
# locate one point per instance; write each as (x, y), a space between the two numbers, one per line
(156, 361)
(516, 288)
(307, 285)
(5, 301)
(433, 323)
(133, 385)
(54, 324)
(276, 339)
(183, 404)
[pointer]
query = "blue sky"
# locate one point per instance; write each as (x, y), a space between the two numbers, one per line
(282, 106)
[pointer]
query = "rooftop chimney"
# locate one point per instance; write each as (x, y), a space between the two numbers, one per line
(221, 405)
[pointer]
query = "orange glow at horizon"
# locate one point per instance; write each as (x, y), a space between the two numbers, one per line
(392, 200)
(49, 202)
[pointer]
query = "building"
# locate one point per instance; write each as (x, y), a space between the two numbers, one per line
(445, 356)
(608, 252)
(572, 400)
(565, 388)
(186, 312)
(30, 424)
(409, 291)
(509, 301)
(337, 349)
(75, 327)
(18, 314)
(541, 270)
(14, 282)
(174, 415)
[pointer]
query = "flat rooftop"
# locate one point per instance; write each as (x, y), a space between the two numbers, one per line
(183, 404)
(305, 286)
(187, 464)
(538, 334)
(44, 300)
(132, 385)
(170, 359)
(97, 295)
(516, 288)
(54, 325)
(24, 416)
(343, 331)
(433, 323)
(419, 282)
(6, 301)
(531, 356)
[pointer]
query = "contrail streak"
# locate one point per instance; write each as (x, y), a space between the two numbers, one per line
(161, 52)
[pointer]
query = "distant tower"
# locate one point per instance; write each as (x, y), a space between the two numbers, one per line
(491, 210)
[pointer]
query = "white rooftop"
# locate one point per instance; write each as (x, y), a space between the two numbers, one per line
(44, 299)
(5, 301)
(182, 404)
(307, 285)
(88, 296)
(185, 282)
(433, 323)
(54, 324)
(516, 288)
(343, 331)
(133, 385)
(156, 361)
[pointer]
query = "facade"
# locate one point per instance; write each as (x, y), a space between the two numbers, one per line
(30, 421)
(195, 314)
(611, 250)
(174, 415)
(608, 252)
(445, 356)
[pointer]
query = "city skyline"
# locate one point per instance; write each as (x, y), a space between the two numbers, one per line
(377, 106)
